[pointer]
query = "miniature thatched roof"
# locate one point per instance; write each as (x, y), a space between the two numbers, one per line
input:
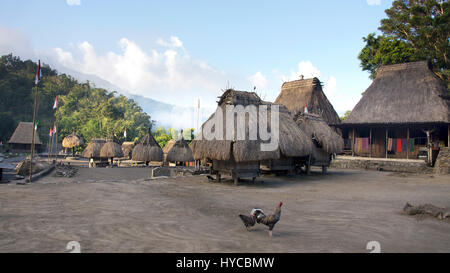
(180, 152)
(111, 149)
(72, 140)
(293, 142)
(320, 132)
(24, 134)
(147, 150)
(169, 146)
(402, 93)
(127, 149)
(294, 95)
(93, 148)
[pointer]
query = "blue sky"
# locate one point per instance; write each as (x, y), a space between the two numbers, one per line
(179, 51)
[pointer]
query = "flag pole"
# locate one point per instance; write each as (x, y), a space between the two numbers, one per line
(34, 131)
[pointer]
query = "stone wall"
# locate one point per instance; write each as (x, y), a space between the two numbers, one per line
(407, 166)
(442, 165)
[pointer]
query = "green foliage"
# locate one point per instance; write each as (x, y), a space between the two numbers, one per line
(414, 30)
(90, 112)
(383, 50)
(163, 136)
(345, 116)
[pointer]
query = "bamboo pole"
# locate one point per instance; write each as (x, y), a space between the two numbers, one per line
(34, 132)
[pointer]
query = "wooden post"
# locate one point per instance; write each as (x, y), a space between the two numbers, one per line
(448, 136)
(34, 132)
(353, 142)
(370, 143)
(407, 144)
(386, 146)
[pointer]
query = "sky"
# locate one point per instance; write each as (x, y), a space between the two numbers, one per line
(180, 52)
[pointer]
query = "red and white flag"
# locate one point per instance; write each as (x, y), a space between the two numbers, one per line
(125, 133)
(38, 73)
(51, 132)
(54, 129)
(55, 104)
(306, 108)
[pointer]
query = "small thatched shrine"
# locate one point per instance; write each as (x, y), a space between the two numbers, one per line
(147, 150)
(180, 152)
(241, 157)
(295, 95)
(403, 114)
(71, 141)
(325, 139)
(20, 140)
(93, 148)
(127, 149)
(111, 149)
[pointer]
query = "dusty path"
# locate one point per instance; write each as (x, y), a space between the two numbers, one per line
(118, 210)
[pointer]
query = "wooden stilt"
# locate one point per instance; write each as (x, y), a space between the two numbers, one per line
(353, 142)
(407, 144)
(370, 143)
(386, 146)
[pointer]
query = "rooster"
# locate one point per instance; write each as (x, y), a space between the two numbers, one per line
(258, 216)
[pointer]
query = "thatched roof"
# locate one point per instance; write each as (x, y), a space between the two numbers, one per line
(93, 148)
(320, 132)
(402, 93)
(127, 149)
(293, 142)
(111, 149)
(72, 140)
(148, 149)
(24, 134)
(294, 95)
(169, 146)
(180, 152)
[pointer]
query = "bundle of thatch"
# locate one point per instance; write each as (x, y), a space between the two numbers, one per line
(127, 149)
(180, 152)
(93, 148)
(147, 150)
(111, 149)
(293, 142)
(319, 131)
(71, 141)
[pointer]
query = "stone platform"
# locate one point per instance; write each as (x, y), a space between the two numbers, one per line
(381, 164)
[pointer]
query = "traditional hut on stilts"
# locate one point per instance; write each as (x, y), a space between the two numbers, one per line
(71, 141)
(111, 149)
(403, 114)
(326, 142)
(228, 141)
(180, 153)
(20, 140)
(147, 150)
(92, 151)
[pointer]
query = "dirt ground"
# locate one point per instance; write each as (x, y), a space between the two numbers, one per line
(121, 210)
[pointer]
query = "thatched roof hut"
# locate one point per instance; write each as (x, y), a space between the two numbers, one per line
(296, 94)
(72, 140)
(180, 152)
(93, 148)
(127, 149)
(147, 150)
(22, 136)
(111, 149)
(293, 142)
(403, 93)
(320, 132)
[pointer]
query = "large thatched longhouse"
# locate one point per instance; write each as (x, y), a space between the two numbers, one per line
(20, 140)
(147, 150)
(403, 114)
(295, 95)
(241, 158)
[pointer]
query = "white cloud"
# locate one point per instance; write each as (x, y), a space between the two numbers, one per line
(258, 80)
(373, 2)
(174, 42)
(170, 75)
(305, 68)
(73, 2)
(15, 41)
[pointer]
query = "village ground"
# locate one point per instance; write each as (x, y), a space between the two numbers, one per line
(122, 210)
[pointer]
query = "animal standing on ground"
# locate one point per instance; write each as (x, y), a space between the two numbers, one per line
(258, 216)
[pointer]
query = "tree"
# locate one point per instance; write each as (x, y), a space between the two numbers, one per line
(414, 30)
(345, 116)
